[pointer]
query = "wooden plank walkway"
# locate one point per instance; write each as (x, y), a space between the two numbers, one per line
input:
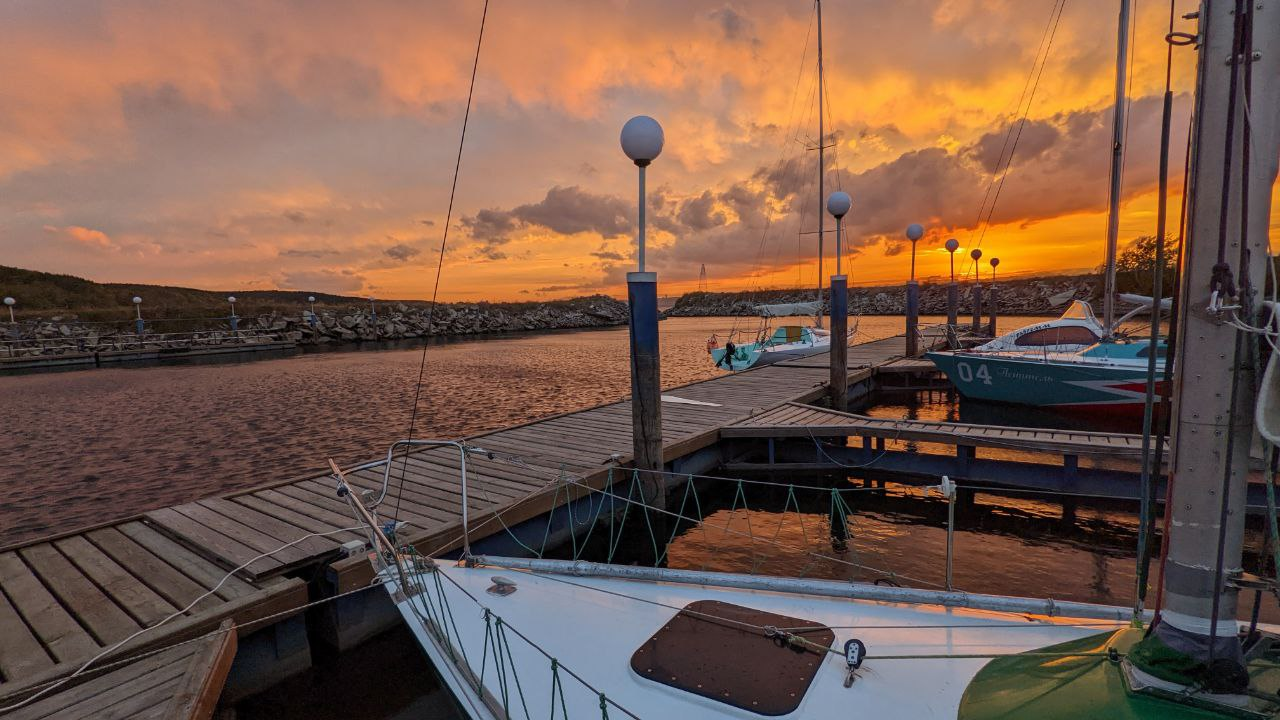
(798, 420)
(180, 683)
(64, 599)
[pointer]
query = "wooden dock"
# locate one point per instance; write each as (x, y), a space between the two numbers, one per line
(64, 599)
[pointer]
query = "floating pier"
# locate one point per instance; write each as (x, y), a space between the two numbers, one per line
(67, 598)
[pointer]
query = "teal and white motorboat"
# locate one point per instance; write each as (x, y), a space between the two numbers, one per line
(1110, 375)
(769, 344)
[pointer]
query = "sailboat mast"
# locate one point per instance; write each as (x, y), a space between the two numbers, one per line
(1117, 160)
(822, 216)
(1233, 171)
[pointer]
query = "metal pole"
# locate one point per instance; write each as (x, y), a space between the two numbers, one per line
(640, 224)
(953, 296)
(992, 302)
(1117, 157)
(839, 385)
(138, 324)
(1213, 397)
(977, 300)
(951, 536)
(11, 320)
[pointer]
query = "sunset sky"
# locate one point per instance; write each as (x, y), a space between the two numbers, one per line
(310, 145)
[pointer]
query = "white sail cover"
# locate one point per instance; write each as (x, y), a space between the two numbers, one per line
(787, 309)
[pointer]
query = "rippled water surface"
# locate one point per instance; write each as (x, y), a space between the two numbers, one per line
(86, 446)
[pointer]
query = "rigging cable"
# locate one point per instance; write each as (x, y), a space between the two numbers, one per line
(1241, 38)
(1151, 465)
(444, 242)
(1055, 14)
(1022, 123)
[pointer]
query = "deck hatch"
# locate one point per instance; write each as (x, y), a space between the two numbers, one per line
(715, 650)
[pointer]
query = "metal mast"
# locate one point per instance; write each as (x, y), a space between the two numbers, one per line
(822, 217)
(1117, 160)
(1232, 175)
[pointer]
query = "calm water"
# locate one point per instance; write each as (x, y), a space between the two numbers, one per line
(84, 446)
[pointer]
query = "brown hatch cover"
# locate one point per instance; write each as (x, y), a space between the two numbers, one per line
(715, 650)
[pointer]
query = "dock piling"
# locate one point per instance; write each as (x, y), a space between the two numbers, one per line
(838, 204)
(953, 292)
(992, 302)
(976, 255)
(642, 141)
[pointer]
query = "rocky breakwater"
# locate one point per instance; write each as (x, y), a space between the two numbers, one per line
(400, 321)
(60, 335)
(1034, 296)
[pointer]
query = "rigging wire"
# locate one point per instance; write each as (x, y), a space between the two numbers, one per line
(1150, 462)
(1054, 13)
(1022, 123)
(444, 243)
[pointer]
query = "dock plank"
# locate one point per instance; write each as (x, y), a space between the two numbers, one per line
(98, 612)
(134, 597)
(59, 632)
(20, 652)
(160, 576)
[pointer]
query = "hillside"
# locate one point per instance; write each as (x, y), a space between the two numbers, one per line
(41, 293)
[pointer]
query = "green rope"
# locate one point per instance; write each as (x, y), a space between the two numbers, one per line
(546, 534)
(484, 657)
(506, 645)
(618, 526)
(679, 514)
(604, 707)
(653, 538)
(595, 517)
(557, 689)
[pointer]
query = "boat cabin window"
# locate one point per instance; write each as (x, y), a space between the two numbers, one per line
(715, 650)
(1069, 335)
(788, 334)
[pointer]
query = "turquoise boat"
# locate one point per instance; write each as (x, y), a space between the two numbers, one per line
(1106, 375)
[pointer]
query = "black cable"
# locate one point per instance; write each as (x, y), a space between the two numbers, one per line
(1021, 124)
(444, 242)
(1149, 463)
(1222, 281)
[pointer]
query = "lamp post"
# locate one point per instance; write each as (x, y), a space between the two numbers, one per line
(838, 204)
(373, 314)
(976, 255)
(311, 300)
(915, 231)
(953, 293)
(235, 320)
(642, 141)
(992, 302)
(10, 302)
(137, 323)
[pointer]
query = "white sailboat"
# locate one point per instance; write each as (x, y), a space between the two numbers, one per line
(768, 344)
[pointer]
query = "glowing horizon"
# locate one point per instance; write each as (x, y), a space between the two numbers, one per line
(280, 145)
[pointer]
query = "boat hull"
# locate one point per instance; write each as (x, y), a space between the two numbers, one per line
(1035, 382)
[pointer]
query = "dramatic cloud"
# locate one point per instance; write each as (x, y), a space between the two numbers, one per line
(204, 143)
(401, 252)
(564, 210)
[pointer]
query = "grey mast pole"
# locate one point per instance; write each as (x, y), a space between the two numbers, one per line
(822, 218)
(1117, 156)
(915, 231)
(1213, 399)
